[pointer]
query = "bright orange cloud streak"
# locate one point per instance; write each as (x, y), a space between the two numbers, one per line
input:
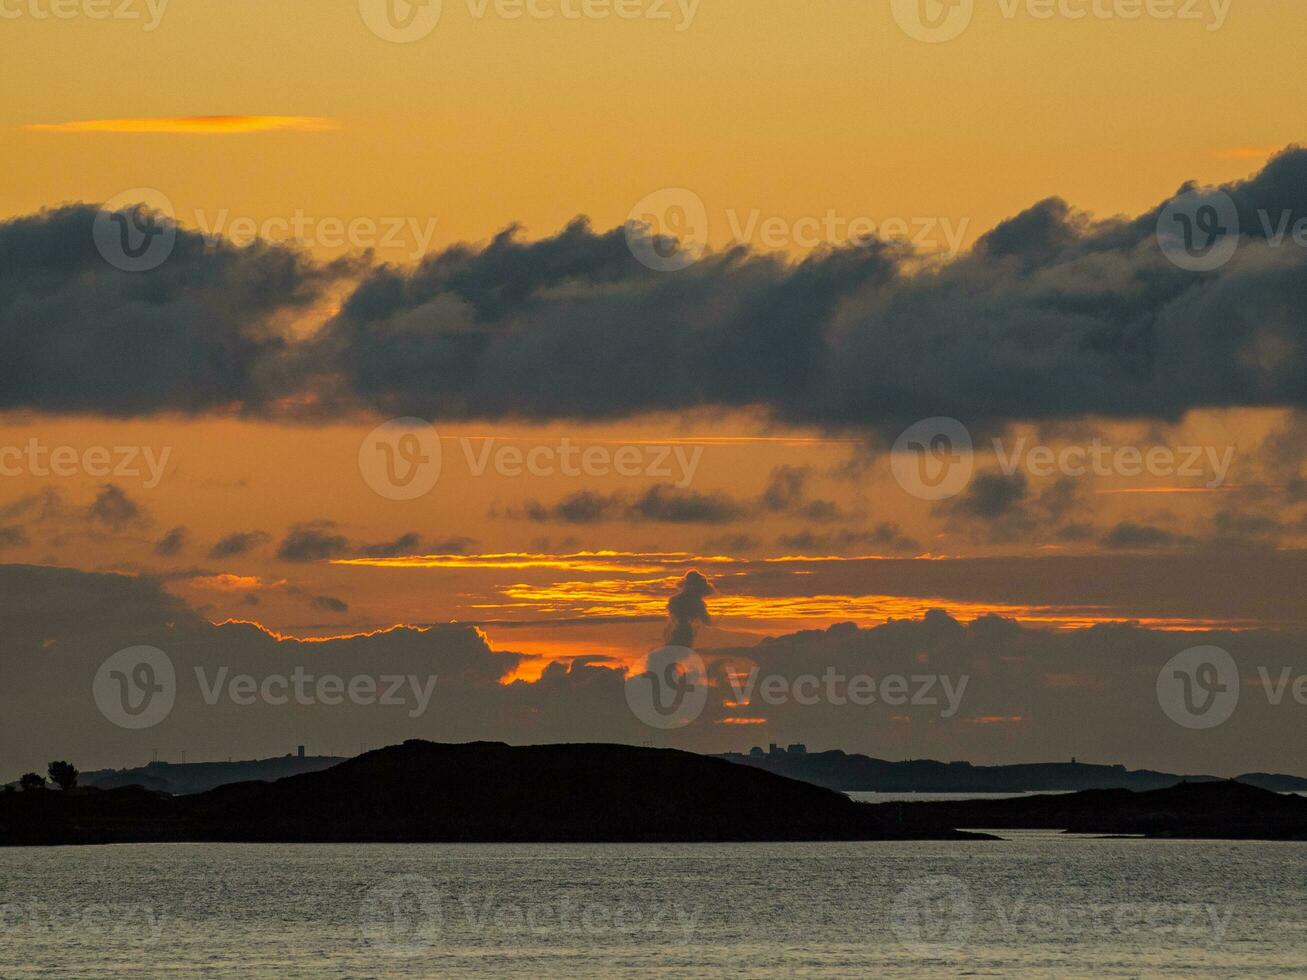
(1247, 152)
(288, 638)
(191, 125)
(581, 561)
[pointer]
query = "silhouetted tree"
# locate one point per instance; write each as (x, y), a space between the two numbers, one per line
(32, 781)
(63, 775)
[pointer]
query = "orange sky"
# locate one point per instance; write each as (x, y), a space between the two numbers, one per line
(789, 110)
(777, 110)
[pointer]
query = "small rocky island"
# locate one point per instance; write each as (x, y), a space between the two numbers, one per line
(492, 792)
(1223, 810)
(479, 792)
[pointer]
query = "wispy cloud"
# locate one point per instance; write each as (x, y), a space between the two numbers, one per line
(1247, 152)
(195, 125)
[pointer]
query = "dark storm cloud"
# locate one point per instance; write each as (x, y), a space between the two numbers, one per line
(78, 334)
(886, 536)
(12, 537)
(999, 508)
(582, 507)
(237, 543)
(46, 504)
(1131, 536)
(1087, 692)
(687, 610)
(664, 504)
(1224, 532)
(1052, 316)
(993, 495)
(114, 509)
(329, 603)
(785, 493)
(319, 541)
(315, 541)
(171, 543)
(660, 504)
(405, 544)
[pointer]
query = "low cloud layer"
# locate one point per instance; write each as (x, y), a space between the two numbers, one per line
(1091, 693)
(1053, 315)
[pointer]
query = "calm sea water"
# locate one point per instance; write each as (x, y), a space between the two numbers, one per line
(1035, 904)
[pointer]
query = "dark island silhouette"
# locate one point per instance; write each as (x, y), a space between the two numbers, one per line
(478, 792)
(834, 769)
(1224, 810)
(179, 778)
(860, 773)
(491, 792)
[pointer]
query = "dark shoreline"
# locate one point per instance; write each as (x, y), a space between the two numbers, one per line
(423, 792)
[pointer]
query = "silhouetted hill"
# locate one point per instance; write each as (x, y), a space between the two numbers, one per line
(196, 777)
(1222, 810)
(860, 773)
(423, 791)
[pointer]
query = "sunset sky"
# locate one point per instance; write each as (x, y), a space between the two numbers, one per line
(447, 275)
